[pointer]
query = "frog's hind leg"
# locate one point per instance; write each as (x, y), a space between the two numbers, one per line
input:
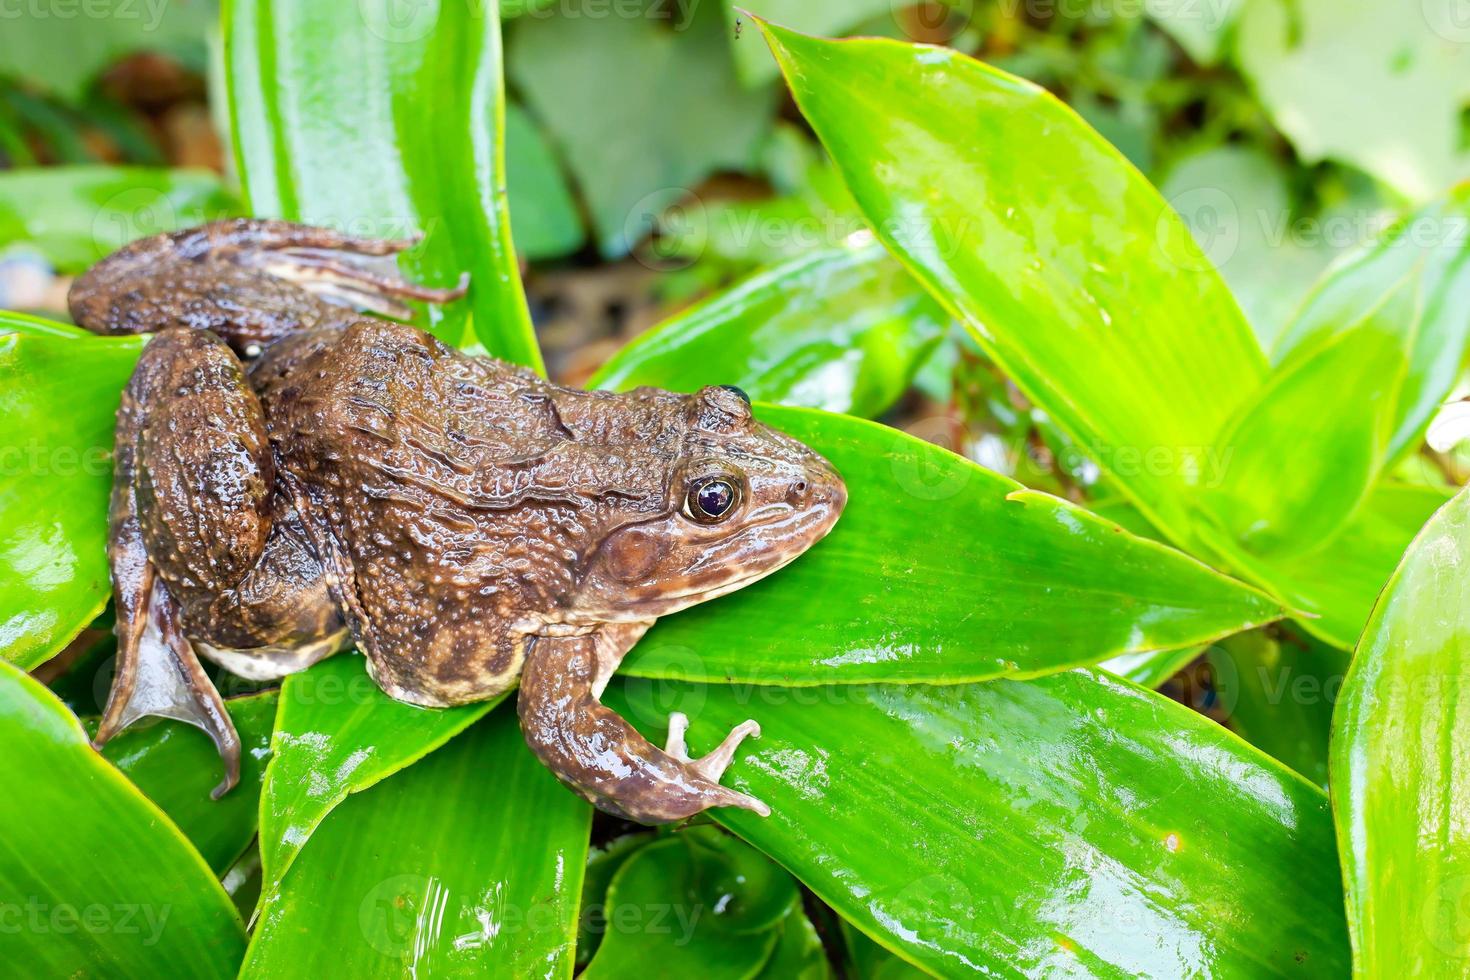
(198, 549)
(157, 672)
(603, 758)
(250, 281)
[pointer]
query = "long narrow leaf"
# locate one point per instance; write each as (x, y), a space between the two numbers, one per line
(467, 864)
(95, 880)
(943, 571)
(337, 734)
(1072, 825)
(57, 403)
(1398, 763)
(392, 124)
(1070, 270)
(841, 329)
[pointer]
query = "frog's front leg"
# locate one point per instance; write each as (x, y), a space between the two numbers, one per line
(598, 754)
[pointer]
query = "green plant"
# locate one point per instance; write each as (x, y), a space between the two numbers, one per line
(949, 770)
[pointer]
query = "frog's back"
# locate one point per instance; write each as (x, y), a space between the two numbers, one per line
(451, 492)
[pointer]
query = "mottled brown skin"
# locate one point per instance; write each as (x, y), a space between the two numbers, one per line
(466, 523)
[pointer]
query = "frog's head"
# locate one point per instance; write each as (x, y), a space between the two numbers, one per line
(742, 501)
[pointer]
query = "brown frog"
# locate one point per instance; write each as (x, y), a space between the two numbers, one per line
(293, 477)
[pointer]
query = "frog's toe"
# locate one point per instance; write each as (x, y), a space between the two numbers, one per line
(360, 278)
(713, 766)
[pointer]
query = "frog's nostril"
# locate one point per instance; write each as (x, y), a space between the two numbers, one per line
(800, 487)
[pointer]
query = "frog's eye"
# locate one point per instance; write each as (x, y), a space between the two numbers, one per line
(712, 499)
(737, 392)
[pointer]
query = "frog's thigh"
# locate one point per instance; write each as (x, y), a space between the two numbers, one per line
(204, 470)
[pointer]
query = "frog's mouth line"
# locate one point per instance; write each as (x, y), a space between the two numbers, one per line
(779, 513)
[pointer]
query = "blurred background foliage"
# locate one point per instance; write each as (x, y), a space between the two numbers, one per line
(655, 158)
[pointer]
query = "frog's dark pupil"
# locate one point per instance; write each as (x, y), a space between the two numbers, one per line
(737, 392)
(714, 498)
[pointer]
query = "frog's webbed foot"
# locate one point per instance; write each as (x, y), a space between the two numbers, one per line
(711, 766)
(345, 269)
(603, 758)
(159, 675)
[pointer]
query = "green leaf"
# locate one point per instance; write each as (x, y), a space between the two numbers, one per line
(866, 960)
(467, 864)
(1041, 585)
(1278, 693)
(799, 954)
(1270, 497)
(64, 46)
(827, 17)
(1377, 85)
(97, 880)
(699, 903)
(602, 863)
(1398, 763)
(391, 125)
(642, 107)
(176, 766)
(76, 215)
(543, 215)
(1070, 825)
(1369, 359)
(1412, 284)
(1152, 667)
(337, 734)
(1338, 582)
(58, 398)
(1074, 275)
(841, 329)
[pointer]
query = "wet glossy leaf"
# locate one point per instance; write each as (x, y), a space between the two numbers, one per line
(1069, 825)
(1379, 85)
(1272, 499)
(698, 903)
(1368, 360)
(840, 329)
(1071, 271)
(1339, 581)
(76, 215)
(799, 954)
(176, 766)
(1413, 286)
(826, 17)
(391, 125)
(602, 863)
(1150, 668)
(467, 864)
(866, 960)
(337, 734)
(1278, 693)
(1041, 584)
(1398, 762)
(97, 880)
(642, 107)
(58, 397)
